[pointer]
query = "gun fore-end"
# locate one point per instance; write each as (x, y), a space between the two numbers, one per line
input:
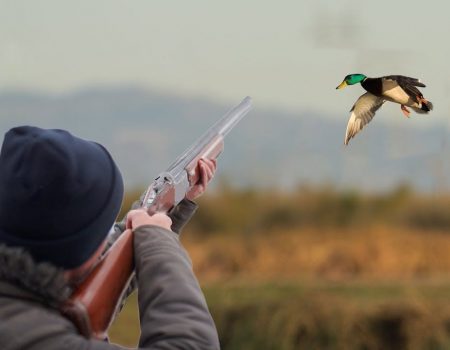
(211, 151)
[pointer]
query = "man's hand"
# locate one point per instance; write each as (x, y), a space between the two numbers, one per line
(139, 217)
(206, 168)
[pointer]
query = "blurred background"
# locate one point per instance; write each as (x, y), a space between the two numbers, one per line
(300, 243)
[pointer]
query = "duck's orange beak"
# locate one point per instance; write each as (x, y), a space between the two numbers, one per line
(341, 85)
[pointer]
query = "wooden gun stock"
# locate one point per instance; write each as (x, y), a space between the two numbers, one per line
(94, 303)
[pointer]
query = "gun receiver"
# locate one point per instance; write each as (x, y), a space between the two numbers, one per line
(94, 303)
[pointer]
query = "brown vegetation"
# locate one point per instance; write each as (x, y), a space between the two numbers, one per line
(373, 253)
(322, 269)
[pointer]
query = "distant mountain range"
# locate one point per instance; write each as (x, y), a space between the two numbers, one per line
(145, 130)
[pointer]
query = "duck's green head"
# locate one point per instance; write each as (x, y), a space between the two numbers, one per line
(351, 79)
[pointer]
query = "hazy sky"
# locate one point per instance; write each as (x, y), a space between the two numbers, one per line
(289, 54)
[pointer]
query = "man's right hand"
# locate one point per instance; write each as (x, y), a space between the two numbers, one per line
(140, 217)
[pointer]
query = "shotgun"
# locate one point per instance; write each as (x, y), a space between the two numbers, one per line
(95, 302)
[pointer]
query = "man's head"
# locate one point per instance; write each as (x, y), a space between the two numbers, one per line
(59, 195)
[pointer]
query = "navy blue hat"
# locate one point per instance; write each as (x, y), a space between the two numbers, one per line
(59, 194)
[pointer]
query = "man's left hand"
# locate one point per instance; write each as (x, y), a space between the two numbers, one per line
(207, 169)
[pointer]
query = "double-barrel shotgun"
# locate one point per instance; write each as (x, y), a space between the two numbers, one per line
(94, 303)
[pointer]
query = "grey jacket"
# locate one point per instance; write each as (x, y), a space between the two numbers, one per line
(172, 308)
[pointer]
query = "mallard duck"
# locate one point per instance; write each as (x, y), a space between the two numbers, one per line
(394, 88)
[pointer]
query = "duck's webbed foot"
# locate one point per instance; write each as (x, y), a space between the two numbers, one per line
(405, 111)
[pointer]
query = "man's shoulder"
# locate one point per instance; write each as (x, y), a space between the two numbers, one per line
(26, 324)
(24, 321)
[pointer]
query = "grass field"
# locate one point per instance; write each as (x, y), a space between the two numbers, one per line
(318, 315)
(320, 270)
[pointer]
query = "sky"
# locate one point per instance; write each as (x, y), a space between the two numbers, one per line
(285, 54)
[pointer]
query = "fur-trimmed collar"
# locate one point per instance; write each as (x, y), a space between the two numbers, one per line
(43, 280)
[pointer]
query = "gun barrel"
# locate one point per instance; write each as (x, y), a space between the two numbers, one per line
(234, 116)
(220, 128)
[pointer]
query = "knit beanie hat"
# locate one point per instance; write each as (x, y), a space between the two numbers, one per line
(59, 195)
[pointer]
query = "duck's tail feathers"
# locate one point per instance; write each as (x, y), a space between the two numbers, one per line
(428, 106)
(425, 108)
(419, 111)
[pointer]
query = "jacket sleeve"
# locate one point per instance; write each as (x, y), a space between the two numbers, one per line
(173, 311)
(180, 216)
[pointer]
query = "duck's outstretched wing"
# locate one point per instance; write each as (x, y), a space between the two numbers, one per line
(362, 113)
(403, 80)
(408, 85)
